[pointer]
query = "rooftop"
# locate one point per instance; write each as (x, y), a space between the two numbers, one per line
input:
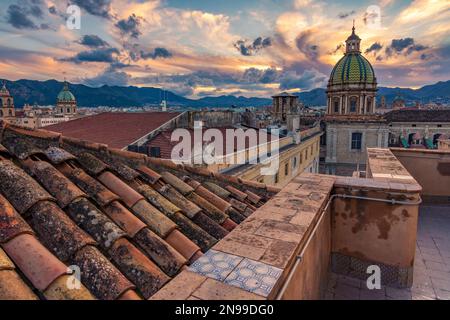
(130, 223)
(103, 127)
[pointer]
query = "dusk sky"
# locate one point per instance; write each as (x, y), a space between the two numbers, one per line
(210, 47)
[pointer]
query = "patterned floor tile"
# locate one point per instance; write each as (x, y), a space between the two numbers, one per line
(254, 276)
(215, 264)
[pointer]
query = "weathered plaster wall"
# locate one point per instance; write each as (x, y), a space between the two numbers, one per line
(431, 169)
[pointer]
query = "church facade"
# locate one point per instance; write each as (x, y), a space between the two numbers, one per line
(352, 123)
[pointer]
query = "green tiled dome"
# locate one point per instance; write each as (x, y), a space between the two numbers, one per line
(65, 95)
(352, 68)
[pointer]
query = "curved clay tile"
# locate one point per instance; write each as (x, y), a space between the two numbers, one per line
(235, 215)
(128, 195)
(129, 295)
(155, 198)
(57, 231)
(34, 260)
(182, 244)
(59, 186)
(155, 220)
(124, 218)
(177, 183)
(218, 190)
(214, 199)
(5, 262)
(253, 197)
(241, 206)
(199, 236)
(91, 164)
(57, 155)
(148, 174)
(12, 287)
(209, 209)
(59, 290)
(237, 193)
(99, 275)
(147, 277)
(189, 208)
(11, 223)
(102, 195)
(19, 188)
(95, 222)
(124, 171)
(210, 226)
(166, 257)
(229, 225)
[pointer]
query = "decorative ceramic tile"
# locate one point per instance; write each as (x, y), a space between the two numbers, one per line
(254, 276)
(215, 264)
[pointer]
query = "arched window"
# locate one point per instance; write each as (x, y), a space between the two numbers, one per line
(336, 105)
(369, 105)
(1, 113)
(8, 102)
(353, 104)
(9, 112)
(1, 102)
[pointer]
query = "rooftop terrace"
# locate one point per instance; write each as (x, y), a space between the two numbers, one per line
(140, 227)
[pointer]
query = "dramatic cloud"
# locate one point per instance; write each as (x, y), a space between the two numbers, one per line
(308, 80)
(100, 8)
(18, 16)
(344, 15)
(130, 26)
(98, 55)
(249, 49)
(93, 41)
(404, 46)
(253, 75)
(157, 53)
(109, 77)
(375, 47)
(305, 45)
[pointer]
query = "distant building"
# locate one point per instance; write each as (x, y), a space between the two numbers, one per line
(7, 110)
(66, 104)
(352, 124)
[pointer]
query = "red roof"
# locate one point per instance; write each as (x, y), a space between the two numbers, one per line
(118, 129)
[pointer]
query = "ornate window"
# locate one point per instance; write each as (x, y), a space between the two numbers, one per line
(356, 140)
(336, 105)
(369, 104)
(353, 104)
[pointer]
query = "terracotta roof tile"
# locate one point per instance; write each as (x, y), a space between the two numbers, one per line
(102, 195)
(19, 188)
(59, 290)
(148, 174)
(182, 244)
(126, 193)
(150, 217)
(124, 218)
(138, 268)
(12, 287)
(164, 255)
(237, 193)
(104, 127)
(37, 263)
(57, 231)
(5, 262)
(177, 183)
(155, 220)
(11, 223)
(99, 275)
(54, 182)
(95, 222)
(91, 164)
(57, 155)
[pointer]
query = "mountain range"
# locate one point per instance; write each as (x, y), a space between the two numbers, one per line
(45, 92)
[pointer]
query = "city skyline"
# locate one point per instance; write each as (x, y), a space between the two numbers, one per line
(196, 48)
